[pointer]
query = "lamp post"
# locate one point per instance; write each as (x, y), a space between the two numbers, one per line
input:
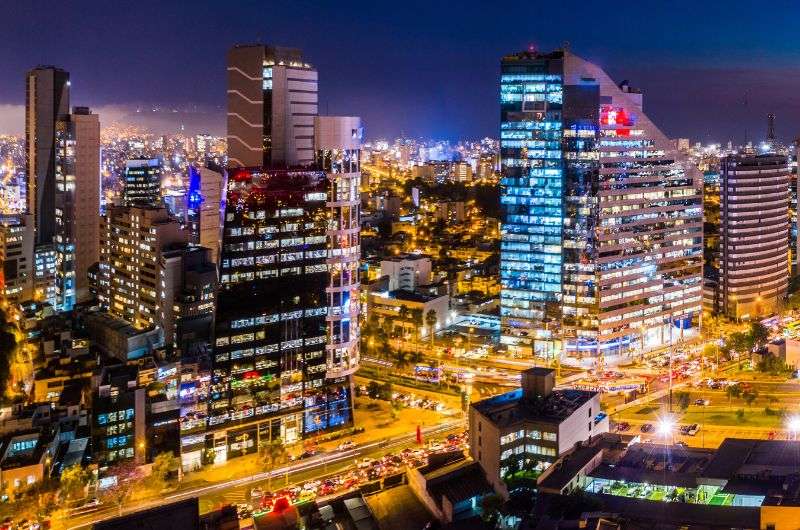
(793, 425)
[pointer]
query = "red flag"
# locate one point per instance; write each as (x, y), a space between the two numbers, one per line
(419, 435)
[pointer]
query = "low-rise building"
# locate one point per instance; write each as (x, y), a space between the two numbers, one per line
(409, 310)
(518, 435)
(119, 339)
(742, 484)
(407, 271)
(26, 459)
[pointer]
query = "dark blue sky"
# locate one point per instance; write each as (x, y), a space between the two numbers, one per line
(424, 68)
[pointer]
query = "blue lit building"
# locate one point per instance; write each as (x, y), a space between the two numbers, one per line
(602, 225)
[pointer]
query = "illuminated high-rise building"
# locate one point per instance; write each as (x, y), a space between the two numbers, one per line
(286, 325)
(142, 185)
(754, 264)
(272, 101)
(46, 98)
(601, 247)
(16, 254)
(77, 205)
(132, 242)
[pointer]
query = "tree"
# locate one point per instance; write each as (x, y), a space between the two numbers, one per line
(733, 391)
(274, 453)
(163, 464)
(682, 399)
(128, 478)
(8, 351)
(73, 481)
(374, 389)
(491, 506)
(750, 396)
(740, 342)
(430, 321)
(758, 334)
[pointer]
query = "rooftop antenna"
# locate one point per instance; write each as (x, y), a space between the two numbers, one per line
(745, 118)
(770, 127)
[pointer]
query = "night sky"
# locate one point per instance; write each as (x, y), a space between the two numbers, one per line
(420, 68)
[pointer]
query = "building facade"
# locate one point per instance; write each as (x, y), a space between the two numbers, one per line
(77, 204)
(142, 186)
(205, 207)
(754, 235)
(46, 98)
(131, 246)
(272, 101)
(272, 332)
(16, 253)
(523, 432)
(601, 248)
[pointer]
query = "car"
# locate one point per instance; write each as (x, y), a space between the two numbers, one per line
(681, 444)
(346, 445)
(624, 426)
(365, 463)
(647, 427)
(693, 429)
(256, 493)
(702, 402)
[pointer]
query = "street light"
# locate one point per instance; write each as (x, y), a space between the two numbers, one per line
(665, 427)
(793, 424)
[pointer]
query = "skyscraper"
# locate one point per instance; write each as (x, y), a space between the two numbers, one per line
(77, 204)
(46, 98)
(269, 355)
(754, 234)
(142, 186)
(601, 246)
(337, 141)
(272, 101)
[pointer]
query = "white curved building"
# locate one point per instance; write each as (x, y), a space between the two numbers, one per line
(754, 234)
(337, 140)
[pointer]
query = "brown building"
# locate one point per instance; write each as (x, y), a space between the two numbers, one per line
(272, 101)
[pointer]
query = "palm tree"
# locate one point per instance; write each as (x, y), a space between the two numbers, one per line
(416, 319)
(403, 316)
(430, 321)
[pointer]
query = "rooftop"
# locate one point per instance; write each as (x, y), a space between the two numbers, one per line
(761, 459)
(512, 407)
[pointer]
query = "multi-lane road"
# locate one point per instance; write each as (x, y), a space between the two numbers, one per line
(319, 466)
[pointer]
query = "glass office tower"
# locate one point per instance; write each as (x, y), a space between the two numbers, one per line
(270, 362)
(602, 226)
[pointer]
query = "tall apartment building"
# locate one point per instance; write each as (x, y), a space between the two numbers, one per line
(77, 204)
(46, 98)
(142, 186)
(754, 261)
(45, 272)
(602, 225)
(16, 254)
(188, 284)
(132, 241)
(272, 101)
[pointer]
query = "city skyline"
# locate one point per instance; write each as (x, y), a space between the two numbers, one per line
(404, 76)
